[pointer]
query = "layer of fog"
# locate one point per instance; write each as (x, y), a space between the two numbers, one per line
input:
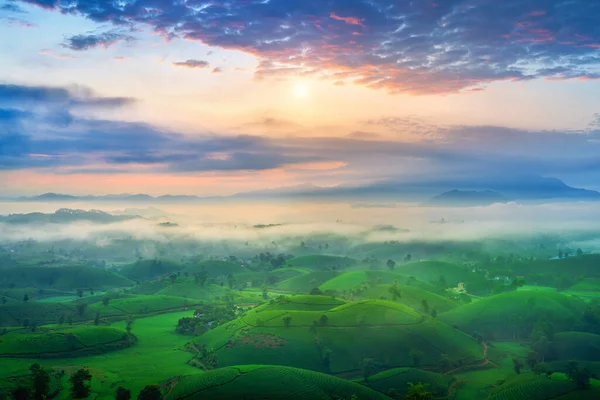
(235, 223)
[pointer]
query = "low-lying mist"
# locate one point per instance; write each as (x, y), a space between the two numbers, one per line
(263, 224)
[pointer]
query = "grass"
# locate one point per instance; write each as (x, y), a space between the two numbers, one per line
(158, 355)
(497, 313)
(62, 278)
(266, 382)
(15, 314)
(66, 342)
(321, 262)
(144, 270)
(576, 346)
(411, 296)
(139, 305)
(378, 329)
(397, 379)
(306, 282)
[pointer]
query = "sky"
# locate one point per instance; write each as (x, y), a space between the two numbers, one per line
(219, 97)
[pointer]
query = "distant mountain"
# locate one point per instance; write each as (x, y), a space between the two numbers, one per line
(466, 198)
(521, 188)
(65, 216)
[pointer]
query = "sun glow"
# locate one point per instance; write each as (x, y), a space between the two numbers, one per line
(300, 91)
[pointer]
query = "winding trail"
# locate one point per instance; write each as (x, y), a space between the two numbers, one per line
(486, 361)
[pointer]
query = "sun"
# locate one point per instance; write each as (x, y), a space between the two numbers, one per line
(300, 91)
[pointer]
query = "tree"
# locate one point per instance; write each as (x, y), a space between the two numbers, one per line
(79, 293)
(579, 252)
(173, 278)
(4, 300)
(97, 319)
(122, 393)
(560, 254)
(540, 369)
(323, 320)
(80, 383)
(395, 292)
(418, 392)
(581, 376)
(434, 313)
(369, 367)
(391, 264)
(317, 292)
(517, 365)
(150, 392)
(92, 291)
(41, 381)
(287, 320)
(265, 292)
(21, 393)
(25, 297)
(425, 306)
(407, 258)
(129, 325)
(81, 309)
(416, 356)
(105, 301)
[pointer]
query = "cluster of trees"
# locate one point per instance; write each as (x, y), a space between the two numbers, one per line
(37, 386)
(205, 317)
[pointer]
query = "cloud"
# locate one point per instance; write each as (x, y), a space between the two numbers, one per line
(417, 47)
(93, 40)
(12, 8)
(57, 97)
(54, 54)
(38, 130)
(192, 64)
(217, 70)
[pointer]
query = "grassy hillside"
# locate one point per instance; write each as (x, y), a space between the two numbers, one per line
(18, 314)
(513, 314)
(266, 382)
(533, 387)
(61, 278)
(306, 282)
(64, 342)
(572, 266)
(340, 339)
(140, 305)
(321, 262)
(576, 346)
(411, 296)
(215, 268)
(397, 379)
(145, 270)
(431, 271)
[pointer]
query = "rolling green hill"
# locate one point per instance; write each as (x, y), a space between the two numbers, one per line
(431, 271)
(65, 342)
(140, 305)
(215, 268)
(266, 382)
(513, 314)
(306, 282)
(340, 339)
(411, 296)
(533, 387)
(321, 262)
(145, 270)
(397, 379)
(61, 278)
(576, 346)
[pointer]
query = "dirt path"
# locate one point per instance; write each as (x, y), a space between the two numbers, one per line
(486, 361)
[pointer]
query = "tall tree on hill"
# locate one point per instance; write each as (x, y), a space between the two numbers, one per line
(579, 252)
(122, 394)
(41, 381)
(418, 392)
(81, 383)
(25, 297)
(581, 376)
(425, 306)
(79, 293)
(416, 356)
(391, 264)
(369, 367)
(150, 392)
(517, 365)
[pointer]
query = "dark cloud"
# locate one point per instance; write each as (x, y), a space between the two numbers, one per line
(93, 40)
(192, 64)
(12, 8)
(57, 97)
(415, 47)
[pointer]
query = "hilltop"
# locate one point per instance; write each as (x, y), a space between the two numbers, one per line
(467, 198)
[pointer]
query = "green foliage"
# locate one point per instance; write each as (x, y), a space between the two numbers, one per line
(40, 381)
(150, 392)
(418, 392)
(517, 365)
(580, 375)
(122, 394)
(80, 383)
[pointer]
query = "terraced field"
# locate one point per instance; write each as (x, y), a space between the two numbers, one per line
(73, 342)
(397, 379)
(267, 383)
(337, 339)
(532, 387)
